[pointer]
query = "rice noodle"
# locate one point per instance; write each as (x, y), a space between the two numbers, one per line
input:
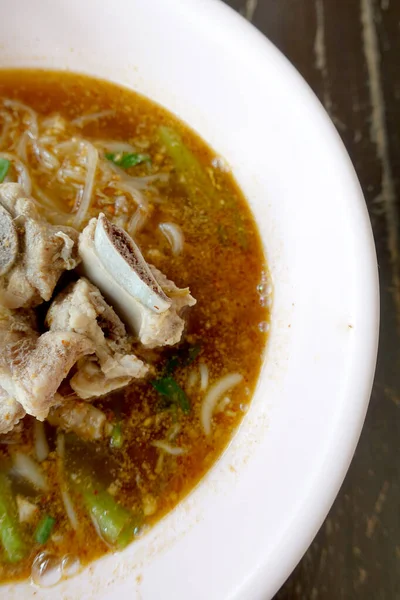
(76, 174)
(59, 216)
(22, 147)
(137, 221)
(55, 122)
(23, 176)
(139, 218)
(28, 469)
(18, 106)
(92, 157)
(89, 118)
(115, 146)
(47, 160)
(60, 445)
(147, 180)
(192, 379)
(48, 140)
(160, 462)
(204, 376)
(133, 191)
(69, 508)
(40, 441)
(218, 389)
(138, 183)
(67, 145)
(173, 432)
(174, 235)
(37, 144)
(174, 450)
(6, 127)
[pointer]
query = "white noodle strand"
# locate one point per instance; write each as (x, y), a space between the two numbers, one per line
(92, 157)
(174, 450)
(218, 389)
(86, 119)
(28, 469)
(174, 235)
(204, 376)
(60, 445)
(69, 508)
(41, 445)
(192, 379)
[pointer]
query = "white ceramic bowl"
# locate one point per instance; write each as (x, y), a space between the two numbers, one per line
(241, 532)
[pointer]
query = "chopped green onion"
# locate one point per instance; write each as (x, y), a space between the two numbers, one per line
(168, 387)
(44, 529)
(125, 160)
(4, 166)
(117, 437)
(10, 533)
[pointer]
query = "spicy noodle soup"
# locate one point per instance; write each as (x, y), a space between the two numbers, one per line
(88, 466)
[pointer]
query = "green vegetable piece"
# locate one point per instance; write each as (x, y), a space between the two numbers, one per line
(125, 160)
(129, 532)
(194, 177)
(197, 182)
(117, 438)
(114, 522)
(10, 532)
(167, 386)
(4, 166)
(44, 529)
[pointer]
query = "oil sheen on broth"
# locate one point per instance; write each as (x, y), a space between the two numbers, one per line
(191, 222)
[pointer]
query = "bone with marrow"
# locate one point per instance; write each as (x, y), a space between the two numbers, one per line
(151, 305)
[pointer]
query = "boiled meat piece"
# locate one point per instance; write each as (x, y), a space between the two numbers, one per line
(11, 412)
(87, 421)
(14, 436)
(32, 366)
(81, 308)
(33, 253)
(150, 304)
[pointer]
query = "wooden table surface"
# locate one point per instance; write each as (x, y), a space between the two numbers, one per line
(349, 52)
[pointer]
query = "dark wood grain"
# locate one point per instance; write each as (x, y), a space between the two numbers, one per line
(349, 52)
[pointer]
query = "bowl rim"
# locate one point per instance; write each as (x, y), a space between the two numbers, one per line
(259, 581)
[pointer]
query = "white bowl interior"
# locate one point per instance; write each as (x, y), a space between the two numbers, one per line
(240, 533)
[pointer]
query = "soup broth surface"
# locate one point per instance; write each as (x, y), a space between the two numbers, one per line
(158, 450)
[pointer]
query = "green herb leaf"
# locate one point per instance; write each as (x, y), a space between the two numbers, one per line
(44, 528)
(4, 166)
(125, 160)
(168, 387)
